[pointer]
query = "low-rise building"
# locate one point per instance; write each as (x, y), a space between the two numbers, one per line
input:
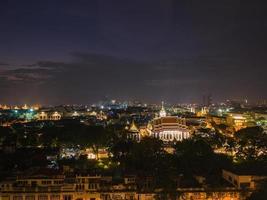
(242, 181)
(86, 187)
(240, 120)
(49, 115)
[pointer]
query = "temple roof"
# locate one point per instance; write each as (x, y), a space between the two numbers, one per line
(133, 127)
(169, 121)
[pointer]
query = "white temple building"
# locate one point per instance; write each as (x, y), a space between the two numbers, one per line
(169, 128)
(49, 115)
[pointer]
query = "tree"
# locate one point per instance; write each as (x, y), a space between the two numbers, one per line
(121, 149)
(196, 157)
(96, 137)
(251, 144)
(193, 155)
(142, 157)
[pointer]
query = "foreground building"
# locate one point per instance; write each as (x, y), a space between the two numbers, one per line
(243, 181)
(80, 187)
(50, 188)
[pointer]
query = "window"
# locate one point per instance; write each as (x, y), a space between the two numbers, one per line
(54, 197)
(17, 197)
(34, 183)
(244, 185)
(92, 186)
(79, 187)
(46, 182)
(31, 197)
(42, 197)
(67, 197)
(5, 197)
(58, 182)
(235, 182)
(23, 182)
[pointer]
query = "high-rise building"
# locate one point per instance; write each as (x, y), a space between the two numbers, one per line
(207, 100)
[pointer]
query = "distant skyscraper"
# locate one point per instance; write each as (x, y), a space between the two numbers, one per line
(207, 100)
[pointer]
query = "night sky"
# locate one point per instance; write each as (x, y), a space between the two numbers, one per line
(81, 51)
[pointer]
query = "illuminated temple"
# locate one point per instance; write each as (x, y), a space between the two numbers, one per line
(166, 128)
(169, 128)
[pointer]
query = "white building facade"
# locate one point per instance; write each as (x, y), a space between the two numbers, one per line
(169, 128)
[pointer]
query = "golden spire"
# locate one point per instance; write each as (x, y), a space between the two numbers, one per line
(133, 127)
(162, 112)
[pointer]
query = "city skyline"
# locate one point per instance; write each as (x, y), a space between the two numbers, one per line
(57, 52)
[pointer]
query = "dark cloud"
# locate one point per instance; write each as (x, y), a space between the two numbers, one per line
(150, 50)
(26, 74)
(93, 76)
(3, 64)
